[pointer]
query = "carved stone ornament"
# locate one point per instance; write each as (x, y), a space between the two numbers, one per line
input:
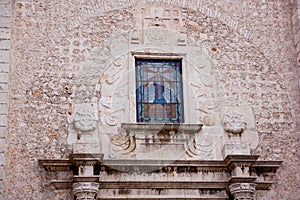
(85, 190)
(234, 123)
(85, 119)
(243, 191)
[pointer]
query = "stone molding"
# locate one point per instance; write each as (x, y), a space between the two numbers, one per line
(216, 174)
(138, 139)
(85, 190)
(243, 191)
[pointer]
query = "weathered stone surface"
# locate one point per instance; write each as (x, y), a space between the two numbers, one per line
(4, 68)
(251, 44)
(5, 10)
(4, 77)
(2, 131)
(5, 2)
(3, 109)
(5, 22)
(4, 56)
(4, 44)
(2, 145)
(3, 97)
(3, 119)
(2, 159)
(4, 33)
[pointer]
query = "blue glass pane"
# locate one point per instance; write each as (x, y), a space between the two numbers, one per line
(159, 91)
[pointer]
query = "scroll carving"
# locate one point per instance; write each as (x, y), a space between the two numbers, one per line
(115, 92)
(201, 146)
(127, 144)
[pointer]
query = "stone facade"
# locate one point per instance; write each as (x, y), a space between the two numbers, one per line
(72, 98)
(5, 46)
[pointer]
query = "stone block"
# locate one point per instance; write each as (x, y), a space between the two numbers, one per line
(3, 87)
(235, 149)
(2, 159)
(4, 56)
(2, 131)
(2, 145)
(4, 68)
(297, 37)
(298, 59)
(5, 22)
(4, 77)
(1, 172)
(3, 119)
(295, 18)
(3, 109)
(86, 148)
(5, 10)
(5, 2)
(3, 98)
(5, 33)
(5, 44)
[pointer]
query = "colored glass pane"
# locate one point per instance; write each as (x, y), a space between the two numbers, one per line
(159, 91)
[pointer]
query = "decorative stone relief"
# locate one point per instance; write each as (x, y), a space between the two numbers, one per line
(201, 146)
(159, 33)
(115, 94)
(125, 144)
(83, 125)
(242, 136)
(85, 118)
(202, 83)
(154, 20)
(234, 123)
(85, 190)
(243, 191)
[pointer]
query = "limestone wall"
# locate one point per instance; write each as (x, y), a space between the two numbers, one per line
(251, 43)
(5, 45)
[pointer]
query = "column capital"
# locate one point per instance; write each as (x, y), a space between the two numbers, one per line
(85, 190)
(243, 191)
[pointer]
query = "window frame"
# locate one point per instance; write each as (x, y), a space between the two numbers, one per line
(175, 101)
(157, 56)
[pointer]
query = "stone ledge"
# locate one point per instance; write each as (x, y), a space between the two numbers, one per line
(159, 127)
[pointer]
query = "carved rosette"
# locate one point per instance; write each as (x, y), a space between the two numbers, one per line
(85, 118)
(243, 191)
(85, 190)
(234, 123)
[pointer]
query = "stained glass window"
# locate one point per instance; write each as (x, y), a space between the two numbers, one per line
(159, 91)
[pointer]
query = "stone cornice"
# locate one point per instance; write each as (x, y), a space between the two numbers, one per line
(226, 166)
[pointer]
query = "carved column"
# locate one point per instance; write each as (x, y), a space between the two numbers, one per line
(243, 191)
(86, 186)
(85, 190)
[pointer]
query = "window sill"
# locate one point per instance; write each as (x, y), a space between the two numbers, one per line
(160, 128)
